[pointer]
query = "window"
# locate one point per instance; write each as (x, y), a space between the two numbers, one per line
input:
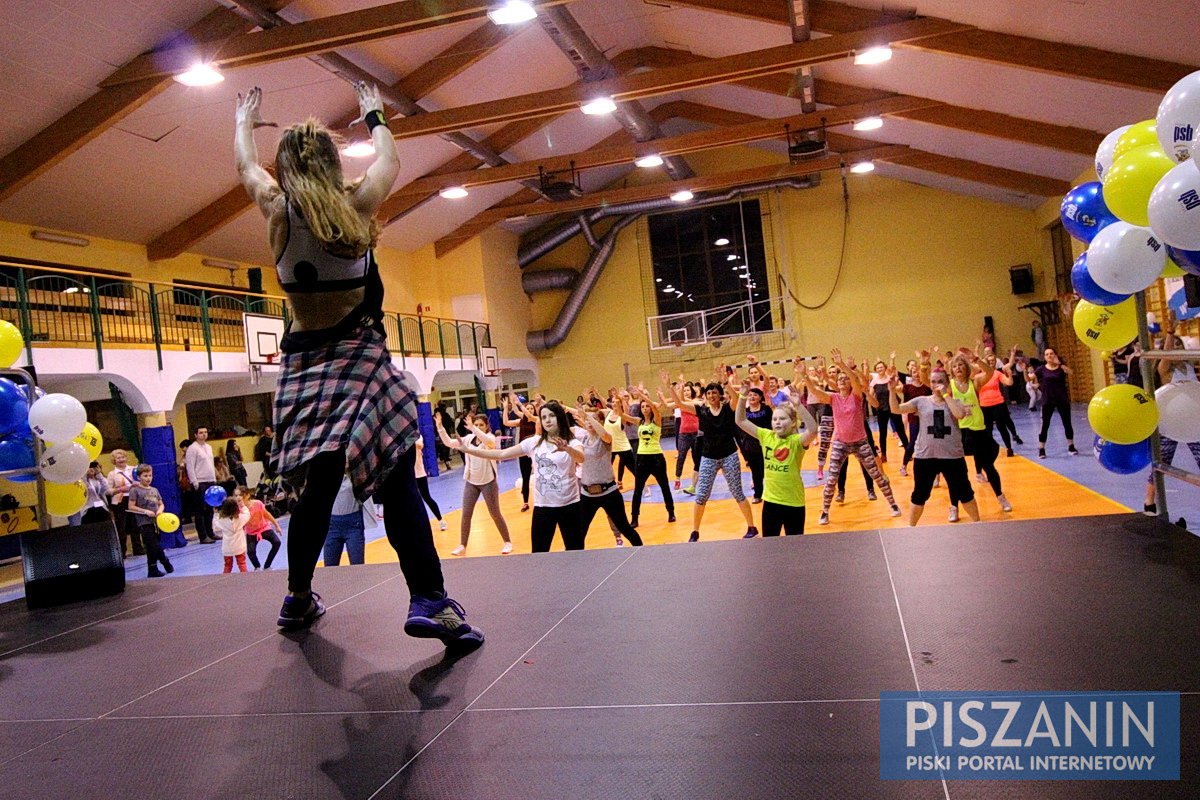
(710, 258)
(103, 414)
(224, 415)
(1064, 258)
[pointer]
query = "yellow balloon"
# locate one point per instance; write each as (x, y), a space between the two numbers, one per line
(1130, 181)
(1172, 270)
(1106, 354)
(1106, 327)
(64, 499)
(11, 344)
(91, 440)
(1123, 414)
(167, 523)
(1143, 134)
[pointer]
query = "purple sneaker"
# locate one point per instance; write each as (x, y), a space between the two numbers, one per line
(441, 618)
(300, 612)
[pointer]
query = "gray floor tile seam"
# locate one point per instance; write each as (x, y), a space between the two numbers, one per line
(519, 659)
(908, 646)
(40, 745)
(226, 656)
(110, 617)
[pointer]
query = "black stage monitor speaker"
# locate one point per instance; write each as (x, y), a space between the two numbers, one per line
(76, 562)
(1021, 277)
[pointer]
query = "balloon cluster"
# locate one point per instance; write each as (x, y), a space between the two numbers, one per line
(1140, 220)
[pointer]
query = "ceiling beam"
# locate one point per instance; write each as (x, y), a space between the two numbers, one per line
(304, 38)
(1024, 52)
(99, 112)
(426, 78)
(673, 79)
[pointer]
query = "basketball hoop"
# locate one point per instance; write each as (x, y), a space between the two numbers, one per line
(271, 357)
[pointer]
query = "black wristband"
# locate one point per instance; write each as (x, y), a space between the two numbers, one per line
(374, 119)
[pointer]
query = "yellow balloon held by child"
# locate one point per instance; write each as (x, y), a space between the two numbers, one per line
(11, 344)
(1123, 414)
(167, 522)
(1106, 327)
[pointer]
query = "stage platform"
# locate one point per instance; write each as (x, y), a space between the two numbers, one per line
(747, 669)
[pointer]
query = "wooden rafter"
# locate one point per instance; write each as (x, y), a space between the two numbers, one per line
(305, 38)
(729, 69)
(424, 79)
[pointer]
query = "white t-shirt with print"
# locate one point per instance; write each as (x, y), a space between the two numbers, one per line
(555, 482)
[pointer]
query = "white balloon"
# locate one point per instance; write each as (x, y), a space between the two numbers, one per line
(57, 418)
(1104, 153)
(1124, 258)
(1179, 411)
(1177, 115)
(1174, 207)
(64, 463)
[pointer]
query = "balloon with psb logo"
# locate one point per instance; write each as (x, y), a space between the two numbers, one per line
(64, 499)
(1141, 134)
(1130, 181)
(64, 463)
(1084, 213)
(1123, 414)
(91, 440)
(1123, 459)
(1179, 411)
(1124, 258)
(1177, 118)
(1104, 153)
(11, 344)
(57, 418)
(167, 522)
(1088, 289)
(1106, 327)
(1174, 207)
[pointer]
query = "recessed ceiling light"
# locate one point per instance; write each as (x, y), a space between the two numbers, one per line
(200, 75)
(453, 192)
(869, 124)
(682, 196)
(598, 106)
(731, 258)
(645, 162)
(863, 167)
(873, 55)
(658, 280)
(358, 150)
(512, 12)
(721, 242)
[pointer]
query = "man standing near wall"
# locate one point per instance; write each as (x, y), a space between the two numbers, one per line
(262, 451)
(202, 472)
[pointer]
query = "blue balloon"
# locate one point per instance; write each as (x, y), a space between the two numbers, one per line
(1123, 459)
(1088, 289)
(214, 496)
(14, 408)
(1188, 260)
(1084, 213)
(16, 452)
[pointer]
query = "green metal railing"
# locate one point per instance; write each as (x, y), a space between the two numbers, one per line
(68, 307)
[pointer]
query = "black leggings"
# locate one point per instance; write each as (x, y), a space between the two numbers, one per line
(884, 416)
(789, 518)
(614, 507)
(652, 466)
(685, 443)
(753, 453)
(999, 417)
(625, 461)
(866, 477)
(526, 464)
(984, 449)
(925, 470)
(1064, 413)
(423, 488)
(914, 430)
(565, 519)
(252, 548)
(405, 521)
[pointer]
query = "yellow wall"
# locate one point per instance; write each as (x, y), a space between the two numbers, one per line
(922, 267)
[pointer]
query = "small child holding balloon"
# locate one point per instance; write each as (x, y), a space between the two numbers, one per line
(146, 503)
(230, 522)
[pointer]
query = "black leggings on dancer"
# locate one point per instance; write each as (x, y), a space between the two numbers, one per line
(625, 461)
(565, 518)
(406, 523)
(423, 487)
(686, 443)
(753, 453)
(789, 518)
(526, 464)
(1064, 413)
(652, 466)
(981, 446)
(999, 417)
(614, 508)
(866, 479)
(884, 416)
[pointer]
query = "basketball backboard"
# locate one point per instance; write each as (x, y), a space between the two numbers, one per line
(489, 362)
(263, 335)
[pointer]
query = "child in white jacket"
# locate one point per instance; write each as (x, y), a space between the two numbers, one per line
(230, 521)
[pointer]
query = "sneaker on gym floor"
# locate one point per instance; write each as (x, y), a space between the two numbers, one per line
(824, 520)
(820, 474)
(440, 618)
(1004, 504)
(300, 612)
(506, 549)
(695, 537)
(620, 541)
(1010, 452)
(690, 490)
(903, 471)
(458, 551)
(871, 496)
(751, 532)
(1042, 453)
(1018, 439)
(670, 518)
(953, 517)
(1071, 449)
(895, 511)
(841, 498)
(442, 524)
(677, 486)
(1150, 509)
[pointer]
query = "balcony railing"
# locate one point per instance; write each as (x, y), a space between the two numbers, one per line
(69, 308)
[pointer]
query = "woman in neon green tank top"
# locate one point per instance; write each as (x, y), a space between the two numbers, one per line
(968, 374)
(650, 459)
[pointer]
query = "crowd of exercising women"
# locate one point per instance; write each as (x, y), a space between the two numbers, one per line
(942, 408)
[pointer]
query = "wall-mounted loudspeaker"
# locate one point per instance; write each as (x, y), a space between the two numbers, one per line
(1021, 277)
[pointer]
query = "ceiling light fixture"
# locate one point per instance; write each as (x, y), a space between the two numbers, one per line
(869, 124)
(358, 150)
(658, 280)
(646, 162)
(59, 238)
(731, 258)
(863, 167)
(873, 55)
(453, 193)
(512, 12)
(682, 196)
(598, 106)
(721, 242)
(200, 75)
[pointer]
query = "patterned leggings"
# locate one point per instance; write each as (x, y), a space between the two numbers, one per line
(1169, 446)
(732, 468)
(825, 436)
(838, 454)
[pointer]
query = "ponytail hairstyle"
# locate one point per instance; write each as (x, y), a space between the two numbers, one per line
(309, 171)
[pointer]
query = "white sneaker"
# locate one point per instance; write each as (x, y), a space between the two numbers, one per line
(442, 524)
(980, 477)
(506, 549)
(620, 542)
(458, 551)
(903, 471)
(895, 511)
(1004, 504)
(953, 514)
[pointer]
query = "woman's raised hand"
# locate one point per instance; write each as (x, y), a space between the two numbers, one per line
(665, 377)
(248, 110)
(368, 100)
